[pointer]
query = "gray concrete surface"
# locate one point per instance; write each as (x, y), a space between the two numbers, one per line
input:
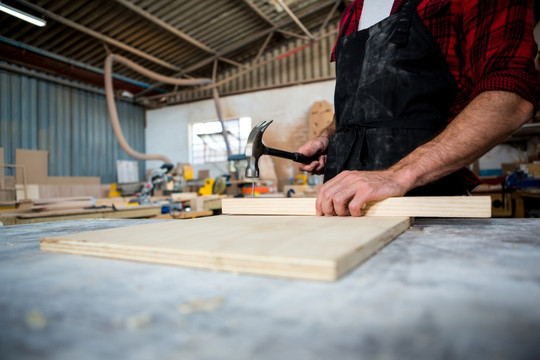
(445, 289)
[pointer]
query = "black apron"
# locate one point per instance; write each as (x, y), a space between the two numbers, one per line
(393, 94)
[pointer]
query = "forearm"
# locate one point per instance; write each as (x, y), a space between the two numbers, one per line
(485, 122)
(330, 130)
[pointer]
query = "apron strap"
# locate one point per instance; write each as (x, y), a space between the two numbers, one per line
(401, 34)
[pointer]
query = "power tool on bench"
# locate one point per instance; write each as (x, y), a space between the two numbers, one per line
(157, 179)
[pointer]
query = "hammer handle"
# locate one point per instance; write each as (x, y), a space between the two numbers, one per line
(294, 156)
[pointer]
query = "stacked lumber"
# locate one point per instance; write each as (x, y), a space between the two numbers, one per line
(62, 204)
(33, 181)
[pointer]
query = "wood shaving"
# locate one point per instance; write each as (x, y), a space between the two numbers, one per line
(200, 305)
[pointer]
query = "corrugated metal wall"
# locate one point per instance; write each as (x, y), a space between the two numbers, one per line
(72, 124)
(298, 65)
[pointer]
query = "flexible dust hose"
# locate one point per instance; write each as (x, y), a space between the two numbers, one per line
(113, 114)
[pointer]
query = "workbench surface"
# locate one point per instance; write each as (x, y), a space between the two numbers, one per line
(446, 288)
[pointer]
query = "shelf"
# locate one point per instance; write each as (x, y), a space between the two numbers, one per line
(524, 133)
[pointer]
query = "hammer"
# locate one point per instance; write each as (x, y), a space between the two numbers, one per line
(255, 149)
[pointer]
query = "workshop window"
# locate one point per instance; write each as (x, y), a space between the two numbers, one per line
(208, 144)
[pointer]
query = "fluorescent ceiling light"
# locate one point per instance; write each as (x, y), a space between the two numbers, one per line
(22, 15)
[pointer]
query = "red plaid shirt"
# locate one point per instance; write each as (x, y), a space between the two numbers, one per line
(488, 44)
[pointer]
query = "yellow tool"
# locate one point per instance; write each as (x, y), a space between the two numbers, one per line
(188, 172)
(208, 187)
(301, 179)
(214, 186)
(114, 192)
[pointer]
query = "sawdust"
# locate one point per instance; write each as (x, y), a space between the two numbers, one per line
(138, 321)
(35, 320)
(200, 305)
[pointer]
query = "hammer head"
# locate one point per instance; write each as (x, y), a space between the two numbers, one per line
(255, 149)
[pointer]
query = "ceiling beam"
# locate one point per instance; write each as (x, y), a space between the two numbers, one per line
(214, 71)
(173, 30)
(296, 20)
(329, 16)
(244, 71)
(238, 45)
(99, 36)
(263, 47)
(290, 33)
(166, 26)
(232, 62)
(259, 12)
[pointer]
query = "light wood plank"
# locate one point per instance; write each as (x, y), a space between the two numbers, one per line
(424, 206)
(314, 248)
(121, 212)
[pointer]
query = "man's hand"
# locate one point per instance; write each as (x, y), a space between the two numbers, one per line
(317, 146)
(348, 192)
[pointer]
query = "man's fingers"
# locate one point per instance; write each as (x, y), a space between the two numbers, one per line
(325, 205)
(328, 207)
(325, 200)
(315, 167)
(340, 203)
(320, 199)
(309, 167)
(310, 149)
(322, 163)
(356, 206)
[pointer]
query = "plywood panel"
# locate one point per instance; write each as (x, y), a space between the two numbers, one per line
(69, 190)
(424, 206)
(315, 248)
(74, 180)
(35, 163)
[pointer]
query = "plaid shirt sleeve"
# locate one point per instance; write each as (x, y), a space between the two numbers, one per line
(498, 47)
(488, 44)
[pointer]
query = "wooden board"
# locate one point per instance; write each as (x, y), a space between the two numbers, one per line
(184, 215)
(35, 163)
(27, 192)
(63, 205)
(121, 212)
(285, 246)
(69, 190)
(74, 180)
(424, 206)
(43, 201)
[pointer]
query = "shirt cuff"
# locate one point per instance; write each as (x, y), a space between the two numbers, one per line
(517, 81)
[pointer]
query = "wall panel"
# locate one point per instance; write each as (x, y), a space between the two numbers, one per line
(72, 124)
